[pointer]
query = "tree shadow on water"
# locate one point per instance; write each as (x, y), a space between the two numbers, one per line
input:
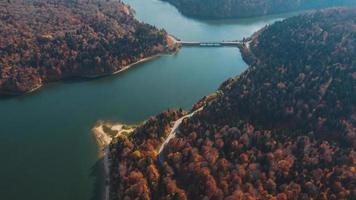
(97, 172)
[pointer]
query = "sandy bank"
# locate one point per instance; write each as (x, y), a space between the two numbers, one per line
(104, 133)
(172, 48)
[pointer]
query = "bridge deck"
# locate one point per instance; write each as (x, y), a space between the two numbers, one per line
(209, 44)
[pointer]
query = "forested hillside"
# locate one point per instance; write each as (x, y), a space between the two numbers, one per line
(42, 41)
(249, 8)
(284, 129)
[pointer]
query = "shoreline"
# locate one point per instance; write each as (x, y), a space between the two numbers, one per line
(10, 94)
(247, 54)
(143, 60)
(103, 140)
(173, 49)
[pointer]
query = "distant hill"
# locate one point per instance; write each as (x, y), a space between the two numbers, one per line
(44, 41)
(249, 8)
(284, 129)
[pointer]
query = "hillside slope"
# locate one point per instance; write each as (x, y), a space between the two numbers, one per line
(43, 41)
(284, 129)
(249, 8)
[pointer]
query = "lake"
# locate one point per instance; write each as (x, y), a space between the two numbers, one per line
(45, 140)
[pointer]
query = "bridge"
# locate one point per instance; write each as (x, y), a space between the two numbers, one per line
(210, 44)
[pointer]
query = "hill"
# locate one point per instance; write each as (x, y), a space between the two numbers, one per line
(249, 8)
(284, 129)
(43, 41)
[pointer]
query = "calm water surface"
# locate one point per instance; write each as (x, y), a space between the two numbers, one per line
(46, 147)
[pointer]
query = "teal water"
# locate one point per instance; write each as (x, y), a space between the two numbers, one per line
(45, 141)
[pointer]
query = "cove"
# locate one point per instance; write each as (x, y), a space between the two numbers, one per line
(46, 146)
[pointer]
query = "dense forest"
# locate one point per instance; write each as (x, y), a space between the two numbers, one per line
(43, 41)
(249, 8)
(284, 129)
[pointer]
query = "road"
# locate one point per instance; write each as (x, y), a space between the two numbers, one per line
(173, 132)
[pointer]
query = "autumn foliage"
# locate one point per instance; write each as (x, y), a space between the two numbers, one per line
(284, 129)
(249, 8)
(42, 41)
(135, 172)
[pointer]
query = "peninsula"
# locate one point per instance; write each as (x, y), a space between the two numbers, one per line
(44, 41)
